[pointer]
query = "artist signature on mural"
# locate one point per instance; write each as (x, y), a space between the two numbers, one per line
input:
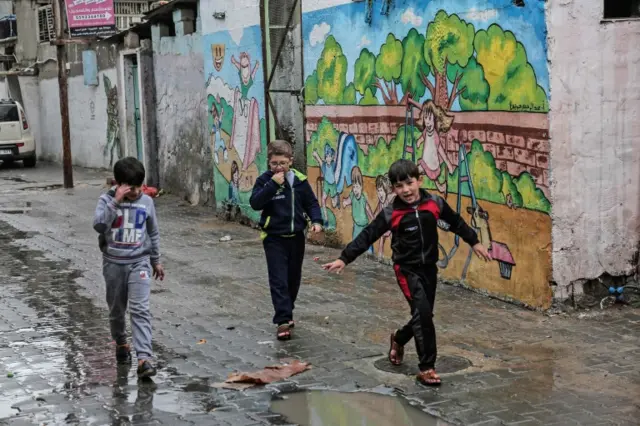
(527, 107)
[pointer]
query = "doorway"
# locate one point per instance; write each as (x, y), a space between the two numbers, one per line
(133, 134)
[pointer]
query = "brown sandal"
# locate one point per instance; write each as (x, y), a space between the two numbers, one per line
(396, 352)
(284, 332)
(429, 378)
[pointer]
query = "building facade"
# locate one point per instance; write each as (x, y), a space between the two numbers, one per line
(526, 126)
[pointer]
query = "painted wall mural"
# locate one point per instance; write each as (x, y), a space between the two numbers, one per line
(113, 148)
(459, 90)
(237, 127)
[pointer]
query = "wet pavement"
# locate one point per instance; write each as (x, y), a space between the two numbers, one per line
(503, 365)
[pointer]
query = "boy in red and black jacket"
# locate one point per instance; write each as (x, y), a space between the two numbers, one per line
(412, 219)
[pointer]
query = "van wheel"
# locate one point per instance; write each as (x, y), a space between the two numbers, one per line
(29, 162)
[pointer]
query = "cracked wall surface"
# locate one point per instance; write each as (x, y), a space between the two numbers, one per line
(595, 156)
(184, 154)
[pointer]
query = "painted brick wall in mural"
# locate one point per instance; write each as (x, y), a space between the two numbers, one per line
(237, 128)
(461, 91)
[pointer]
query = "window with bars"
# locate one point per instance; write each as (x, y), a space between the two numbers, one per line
(46, 30)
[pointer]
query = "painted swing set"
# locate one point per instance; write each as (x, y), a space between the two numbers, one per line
(479, 217)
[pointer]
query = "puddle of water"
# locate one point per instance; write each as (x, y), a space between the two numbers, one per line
(322, 408)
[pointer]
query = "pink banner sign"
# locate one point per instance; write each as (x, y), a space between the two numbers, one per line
(91, 18)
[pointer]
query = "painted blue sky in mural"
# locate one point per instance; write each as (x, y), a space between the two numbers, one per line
(225, 81)
(347, 24)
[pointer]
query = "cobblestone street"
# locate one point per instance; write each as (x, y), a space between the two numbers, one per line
(514, 366)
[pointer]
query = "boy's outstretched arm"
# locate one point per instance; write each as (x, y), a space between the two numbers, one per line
(369, 235)
(264, 189)
(460, 227)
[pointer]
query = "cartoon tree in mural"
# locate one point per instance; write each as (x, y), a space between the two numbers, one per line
(365, 72)
(332, 73)
(472, 86)
(388, 69)
(414, 68)
(506, 68)
(449, 41)
(311, 89)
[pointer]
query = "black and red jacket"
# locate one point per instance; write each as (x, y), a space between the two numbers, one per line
(414, 231)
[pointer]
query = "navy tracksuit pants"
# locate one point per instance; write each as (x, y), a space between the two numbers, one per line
(284, 263)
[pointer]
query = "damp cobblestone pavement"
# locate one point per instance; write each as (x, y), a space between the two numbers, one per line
(503, 364)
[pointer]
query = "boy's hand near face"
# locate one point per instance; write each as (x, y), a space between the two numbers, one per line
(336, 266)
(482, 252)
(278, 178)
(121, 192)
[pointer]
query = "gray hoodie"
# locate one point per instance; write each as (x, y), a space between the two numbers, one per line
(128, 230)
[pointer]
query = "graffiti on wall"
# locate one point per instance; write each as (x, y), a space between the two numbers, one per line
(112, 148)
(237, 127)
(463, 94)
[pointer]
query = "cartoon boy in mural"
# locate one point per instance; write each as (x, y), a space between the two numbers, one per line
(435, 123)
(217, 114)
(357, 199)
(247, 76)
(234, 184)
(385, 197)
(328, 170)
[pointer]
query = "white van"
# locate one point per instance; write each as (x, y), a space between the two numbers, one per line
(16, 140)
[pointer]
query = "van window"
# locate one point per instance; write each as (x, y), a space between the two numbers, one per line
(9, 113)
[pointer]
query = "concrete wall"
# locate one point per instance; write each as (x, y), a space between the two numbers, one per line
(26, 49)
(185, 159)
(234, 80)
(478, 77)
(93, 110)
(595, 155)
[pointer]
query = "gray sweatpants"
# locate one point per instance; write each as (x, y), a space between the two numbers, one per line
(130, 284)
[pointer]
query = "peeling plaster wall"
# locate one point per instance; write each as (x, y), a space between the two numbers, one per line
(595, 131)
(181, 118)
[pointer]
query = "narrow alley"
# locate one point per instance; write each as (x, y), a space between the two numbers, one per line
(501, 364)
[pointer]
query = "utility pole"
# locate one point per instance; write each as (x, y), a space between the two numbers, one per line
(61, 50)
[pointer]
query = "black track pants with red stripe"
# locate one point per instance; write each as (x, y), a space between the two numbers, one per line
(418, 283)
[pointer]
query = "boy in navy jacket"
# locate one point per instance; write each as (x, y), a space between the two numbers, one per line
(284, 196)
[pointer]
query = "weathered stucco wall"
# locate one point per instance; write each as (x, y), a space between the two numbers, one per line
(94, 111)
(595, 151)
(181, 118)
(87, 120)
(461, 89)
(234, 81)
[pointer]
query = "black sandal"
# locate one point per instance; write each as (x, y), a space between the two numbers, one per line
(284, 332)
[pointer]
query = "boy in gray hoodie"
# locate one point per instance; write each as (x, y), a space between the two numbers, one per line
(129, 240)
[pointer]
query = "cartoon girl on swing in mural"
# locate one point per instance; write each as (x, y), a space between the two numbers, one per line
(247, 76)
(435, 123)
